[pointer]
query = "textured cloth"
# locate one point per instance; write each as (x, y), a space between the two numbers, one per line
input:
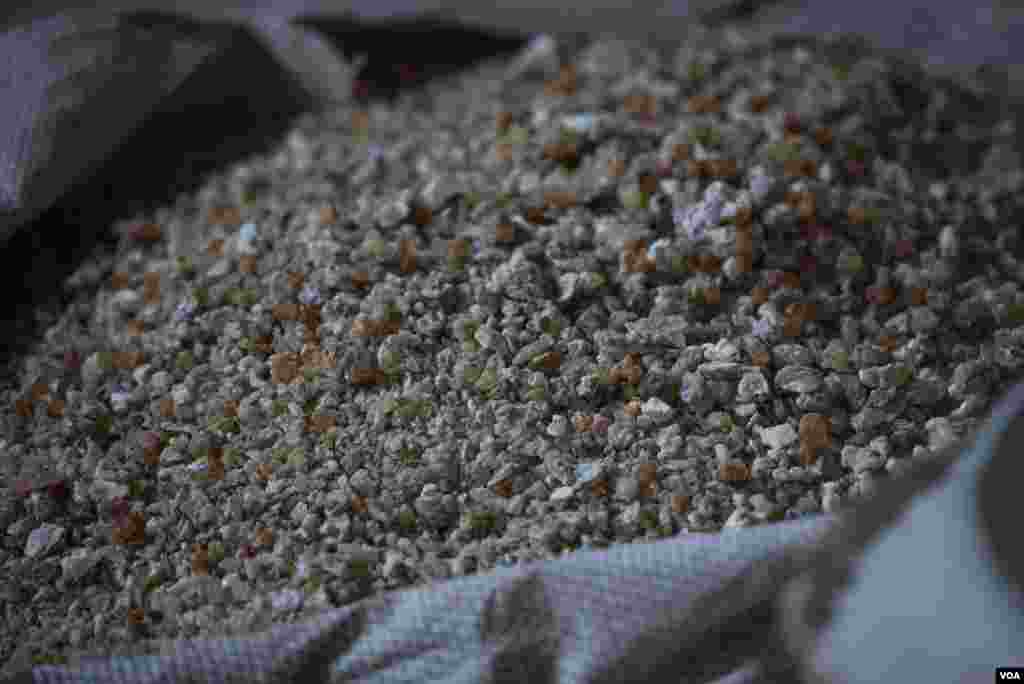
(922, 582)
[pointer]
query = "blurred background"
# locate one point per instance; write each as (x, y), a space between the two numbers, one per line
(242, 102)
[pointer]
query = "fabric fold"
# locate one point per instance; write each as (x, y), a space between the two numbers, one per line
(911, 576)
(693, 606)
(64, 76)
(80, 83)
